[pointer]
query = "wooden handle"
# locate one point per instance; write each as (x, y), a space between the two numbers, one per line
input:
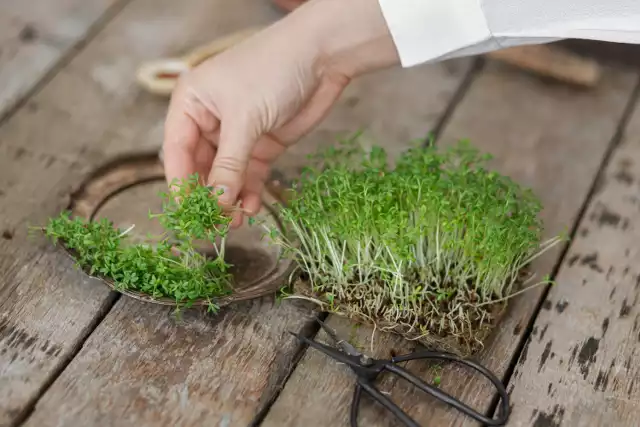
(160, 77)
(552, 62)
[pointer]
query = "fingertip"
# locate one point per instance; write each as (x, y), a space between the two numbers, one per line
(237, 219)
(251, 204)
(230, 162)
(224, 195)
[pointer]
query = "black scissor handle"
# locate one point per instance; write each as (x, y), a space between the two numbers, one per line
(368, 387)
(447, 398)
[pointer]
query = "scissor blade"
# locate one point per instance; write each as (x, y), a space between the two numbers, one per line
(332, 334)
(329, 351)
(344, 345)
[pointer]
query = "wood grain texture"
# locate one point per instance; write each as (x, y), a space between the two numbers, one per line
(219, 370)
(36, 34)
(580, 365)
(141, 367)
(90, 111)
(546, 136)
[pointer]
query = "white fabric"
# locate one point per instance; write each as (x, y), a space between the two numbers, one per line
(432, 30)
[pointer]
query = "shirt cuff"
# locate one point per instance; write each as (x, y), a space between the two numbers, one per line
(425, 30)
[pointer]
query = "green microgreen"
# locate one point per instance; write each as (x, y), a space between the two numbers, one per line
(436, 370)
(171, 268)
(431, 244)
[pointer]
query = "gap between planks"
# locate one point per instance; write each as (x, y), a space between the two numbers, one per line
(476, 67)
(311, 331)
(29, 407)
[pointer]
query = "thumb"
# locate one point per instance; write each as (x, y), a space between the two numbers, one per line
(230, 162)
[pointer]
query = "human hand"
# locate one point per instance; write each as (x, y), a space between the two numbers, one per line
(231, 117)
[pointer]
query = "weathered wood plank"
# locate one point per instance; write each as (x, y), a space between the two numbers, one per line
(580, 364)
(549, 137)
(141, 367)
(219, 370)
(90, 110)
(36, 34)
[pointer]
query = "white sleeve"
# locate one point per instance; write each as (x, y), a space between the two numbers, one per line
(432, 30)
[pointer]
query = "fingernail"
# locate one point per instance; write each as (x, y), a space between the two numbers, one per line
(236, 222)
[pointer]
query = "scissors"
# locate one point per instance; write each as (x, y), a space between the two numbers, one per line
(367, 370)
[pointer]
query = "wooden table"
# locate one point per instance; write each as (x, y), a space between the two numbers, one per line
(74, 354)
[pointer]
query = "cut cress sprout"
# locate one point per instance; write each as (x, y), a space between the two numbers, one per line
(431, 248)
(173, 268)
